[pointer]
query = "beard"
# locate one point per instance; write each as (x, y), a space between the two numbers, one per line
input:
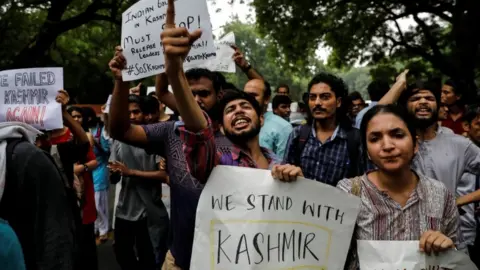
(424, 123)
(241, 139)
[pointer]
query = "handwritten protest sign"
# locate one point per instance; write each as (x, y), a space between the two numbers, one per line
(223, 62)
(142, 25)
(248, 220)
(28, 96)
(405, 255)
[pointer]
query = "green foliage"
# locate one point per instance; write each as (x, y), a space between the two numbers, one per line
(440, 37)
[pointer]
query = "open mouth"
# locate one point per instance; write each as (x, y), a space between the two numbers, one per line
(240, 123)
(423, 111)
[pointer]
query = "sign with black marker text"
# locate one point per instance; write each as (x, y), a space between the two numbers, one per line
(248, 220)
(28, 96)
(142, 25)
(405, 255)
(224, 61)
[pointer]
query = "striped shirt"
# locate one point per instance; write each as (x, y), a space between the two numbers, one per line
(203, 154)
(430, 207)
(324, 162)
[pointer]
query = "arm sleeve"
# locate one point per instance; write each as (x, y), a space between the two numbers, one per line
(200, 150)
(472, 159)
(290, 151)
(450, 218)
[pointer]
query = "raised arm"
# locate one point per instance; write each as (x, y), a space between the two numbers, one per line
(68, 121)
(119, 120)
(246, 67)
(396, 90)
(177, 43)
(161, 90)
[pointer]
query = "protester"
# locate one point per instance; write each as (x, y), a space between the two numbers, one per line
(141, 220)
(283, 90)
(328, 148)
(376, 90)
(241, 118)
(469, 187)
(275, 130)
(281, 106)
(398, 203)
(453, 96)
(356, 104)
(162, 115)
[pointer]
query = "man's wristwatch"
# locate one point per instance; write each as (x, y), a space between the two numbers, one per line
(247, 68)
(85, 168)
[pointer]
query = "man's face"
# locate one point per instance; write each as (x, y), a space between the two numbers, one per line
(449, 97)
(256, 88)
(136, 115)
(322, 102)
(443, 112)
(282, 91)
(423, 106)
(283, 110)
(357, 106)
(204, 93)
(241, 122)
(473, 130)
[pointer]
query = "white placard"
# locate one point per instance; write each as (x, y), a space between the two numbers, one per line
(107, 105)
(405, 255)
(142, 25)
(28, 96)
(224, 61)
(247, 220)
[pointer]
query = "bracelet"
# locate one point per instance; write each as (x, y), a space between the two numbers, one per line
(85, 168)
(247, 68)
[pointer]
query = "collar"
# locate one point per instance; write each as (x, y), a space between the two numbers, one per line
(339, 131)
(269, 155)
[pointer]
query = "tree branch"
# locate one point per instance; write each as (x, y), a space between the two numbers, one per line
(432, 41)
(88, 15)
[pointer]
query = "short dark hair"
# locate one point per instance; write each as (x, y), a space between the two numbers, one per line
(459, 89)
(231, 95)
(340, 89)
(430, 85)
(283, 85)
(75, 109)
(268, 90)
(377, 89)
(197, 73)
(355, 96)
(279, 100)
(398, 111)
(472, 112)
(151, 105)
(139, 100)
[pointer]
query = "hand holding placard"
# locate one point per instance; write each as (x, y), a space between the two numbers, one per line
(118, 63)
(177, 41)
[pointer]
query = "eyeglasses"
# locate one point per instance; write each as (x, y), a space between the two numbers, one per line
(201, 93)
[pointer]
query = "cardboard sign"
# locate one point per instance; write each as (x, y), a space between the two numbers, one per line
(405, 255)
(28, 96)
(248, 220)
(223, 62)
(142, 25)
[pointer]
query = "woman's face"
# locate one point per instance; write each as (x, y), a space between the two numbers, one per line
(389, 142)
(77, 116)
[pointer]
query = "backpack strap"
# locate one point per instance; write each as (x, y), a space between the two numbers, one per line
(356, 186)
(354, 154)
(301, 141)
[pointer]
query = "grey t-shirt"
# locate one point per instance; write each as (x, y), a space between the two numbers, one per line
(468, 221)
(447, 157)
(136, 193)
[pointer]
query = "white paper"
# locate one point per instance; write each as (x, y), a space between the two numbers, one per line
(107, 105)
(224, 61)
(142, 25)
(405, 255)
(318, 241)
(28, 96)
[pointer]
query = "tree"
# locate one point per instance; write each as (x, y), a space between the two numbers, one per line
(263, 55)
(442, 33)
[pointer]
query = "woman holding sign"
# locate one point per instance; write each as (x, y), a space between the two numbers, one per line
(399, 204)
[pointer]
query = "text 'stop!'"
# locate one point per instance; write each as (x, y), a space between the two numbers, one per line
(142, 25)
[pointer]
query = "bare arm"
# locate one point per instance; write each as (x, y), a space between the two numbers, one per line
(78, 133)
(153, 175)
(161, 90)
(469, 198)
(119, 122)
(242, 63)
(177, 43)
(396, 90)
